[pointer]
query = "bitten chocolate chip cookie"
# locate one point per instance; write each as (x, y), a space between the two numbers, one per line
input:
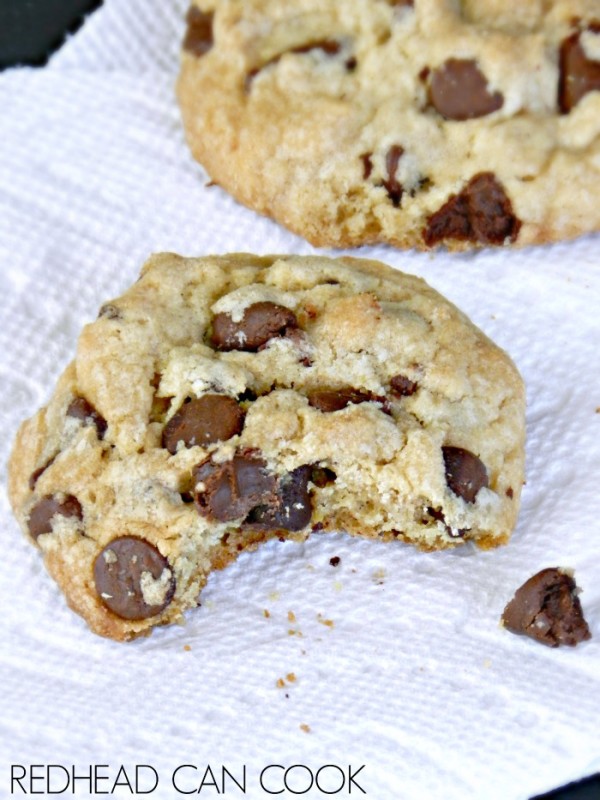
(414, 122)
(225, 400)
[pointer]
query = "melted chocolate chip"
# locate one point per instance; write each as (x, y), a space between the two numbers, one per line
(202, 421)
(199, 35)
(481, 213)
(546, 608)
(232, 489)
(465, 472)
(260, 322)
(458, 91)
(84, 411)
(43, 512)
(394, 189)
(35, 475)
(133, 579)
(403, 386)
(329, 46)
(328, 400)
(290, 509)
(578, 74)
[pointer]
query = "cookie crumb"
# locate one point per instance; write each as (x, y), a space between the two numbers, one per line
(280, 683)
(291, 678)
(187, 648)
(328, 622)
(266, 613)
(304, 727)
(291, 616)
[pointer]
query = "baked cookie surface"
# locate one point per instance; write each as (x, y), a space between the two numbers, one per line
(424, 123)
(225, 400)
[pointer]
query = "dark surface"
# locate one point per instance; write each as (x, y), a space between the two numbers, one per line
(30, 31)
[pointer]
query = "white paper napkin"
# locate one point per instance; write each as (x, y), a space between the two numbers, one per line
(393, 659)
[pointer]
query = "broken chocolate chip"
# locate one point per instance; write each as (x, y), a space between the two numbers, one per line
(334, 561)
(36, 474)
(260, 322)
(465, 472)
(481, 213)
(392, 186)
(202, 421)
(133, 579)
(199, 34)
(81, 409)
(43, 512)
(230, 490)
(578, 74)
(546, 608)
(328, 400)
(458, 91)
(437, 514)
(290, 509)
(403, 386)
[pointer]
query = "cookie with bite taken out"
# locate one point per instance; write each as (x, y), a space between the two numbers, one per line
(225, 400)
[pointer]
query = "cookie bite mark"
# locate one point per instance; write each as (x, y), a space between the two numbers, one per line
(260, 323)
(458, 90)
(465, 472)
(45, 510)
(392, 186)
(547, 608)
(482, 213)
(203, 421)
(132, 579)
(81, 409)
(578, 74)
(329, 400)
(198, 38)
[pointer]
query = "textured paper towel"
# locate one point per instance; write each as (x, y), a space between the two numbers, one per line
(414, 678)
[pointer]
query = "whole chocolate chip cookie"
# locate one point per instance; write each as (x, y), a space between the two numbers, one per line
(419, 123)
(226, 400)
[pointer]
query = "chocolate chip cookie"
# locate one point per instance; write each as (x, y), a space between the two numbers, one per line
(415, 122)
(222, 401)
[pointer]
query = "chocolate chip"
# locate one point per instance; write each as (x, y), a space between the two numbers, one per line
(546, 608)
(329, 46)
(328, 400)
(481, 213)
(260, 322)
(334, 561)
(391, 184)
(458, 91)
(199, 35)
(43, 512)
(465, 472)
(437, 514)
(233, 488)
(35, 475)
(367, 165)
(84, 411)
(202, 421)
(403, 386)
(290, 509)
(133, 579)
(578, 74)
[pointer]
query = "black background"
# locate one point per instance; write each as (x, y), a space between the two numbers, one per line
(30, 30)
